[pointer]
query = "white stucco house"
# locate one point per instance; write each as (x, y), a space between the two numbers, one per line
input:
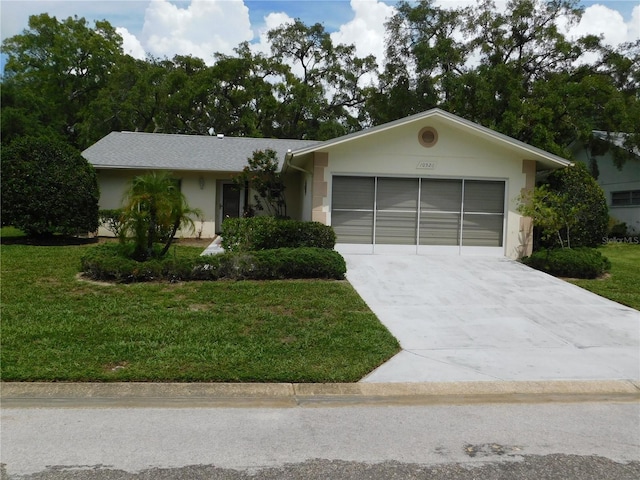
(431, 182)
(621, 185)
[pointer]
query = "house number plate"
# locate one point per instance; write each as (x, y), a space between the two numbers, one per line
(427, 165)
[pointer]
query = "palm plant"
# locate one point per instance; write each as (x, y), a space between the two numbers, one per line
(154, 210)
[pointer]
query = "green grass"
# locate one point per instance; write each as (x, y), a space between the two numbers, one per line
(58, 328)
(623, 283)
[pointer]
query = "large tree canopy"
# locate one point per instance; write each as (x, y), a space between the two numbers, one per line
(510, 69)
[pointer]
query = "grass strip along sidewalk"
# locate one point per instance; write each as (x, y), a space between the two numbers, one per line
(58, 328)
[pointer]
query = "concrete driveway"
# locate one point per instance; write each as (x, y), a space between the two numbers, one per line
(486, 319)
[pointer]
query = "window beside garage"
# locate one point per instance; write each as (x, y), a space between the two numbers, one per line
(625, 198)
(418, 211)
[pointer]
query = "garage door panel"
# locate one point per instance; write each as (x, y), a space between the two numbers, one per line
(397, 194)
(440, 229)
(353, 227)
(396, 228)
(482, 196)
(353, 193)
(440, 195)
(482, 230)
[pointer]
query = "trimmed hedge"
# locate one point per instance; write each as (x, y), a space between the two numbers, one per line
(107, 262)
(580, 262)
(267, 233)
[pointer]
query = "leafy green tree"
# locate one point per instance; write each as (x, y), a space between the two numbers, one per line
(48, 187)
(322, 82)
(512, 70)
(261, 175)
(552, 212)
(55, 68)
(591, 211)
(154, 210)
(569, 209)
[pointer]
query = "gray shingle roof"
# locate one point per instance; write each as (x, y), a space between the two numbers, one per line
(183, 152)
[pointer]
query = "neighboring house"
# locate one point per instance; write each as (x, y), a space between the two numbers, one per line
(621, 185)
(431, 182)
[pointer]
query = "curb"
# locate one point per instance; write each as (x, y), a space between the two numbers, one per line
(238, 395)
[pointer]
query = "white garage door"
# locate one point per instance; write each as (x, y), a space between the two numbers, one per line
(414, 214)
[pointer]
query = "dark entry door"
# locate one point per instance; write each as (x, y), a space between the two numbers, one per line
(230, 201)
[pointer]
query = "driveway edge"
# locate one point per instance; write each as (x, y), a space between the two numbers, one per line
(182, 395)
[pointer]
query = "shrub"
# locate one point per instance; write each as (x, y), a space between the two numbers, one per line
(580, 262)
(112, 220)
(265, 233)
(48, 187)
(281, 263)
(111, 262)
(589, 202)
(616, 228)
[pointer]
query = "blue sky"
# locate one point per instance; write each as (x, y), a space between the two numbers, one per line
(201, 27)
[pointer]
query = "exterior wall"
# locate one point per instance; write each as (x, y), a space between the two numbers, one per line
(613, 180)
(526, 223)
(456, 154)
(113, 185)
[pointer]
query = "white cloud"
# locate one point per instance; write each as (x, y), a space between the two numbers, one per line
(366, 31)
(130, 44)
(201, 29)
(601, 20)
(271, 21)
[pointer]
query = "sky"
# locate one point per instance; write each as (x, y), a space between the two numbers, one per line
(164, 28)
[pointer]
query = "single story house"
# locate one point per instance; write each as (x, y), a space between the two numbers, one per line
(430, 182)
(621, 185)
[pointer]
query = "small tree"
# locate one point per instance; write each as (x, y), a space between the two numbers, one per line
(261, 175)
(48, 187)
(154, 210)
(570, 209)
(550, 211)
(583, 192)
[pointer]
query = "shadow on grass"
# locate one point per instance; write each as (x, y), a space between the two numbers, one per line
(47, 241)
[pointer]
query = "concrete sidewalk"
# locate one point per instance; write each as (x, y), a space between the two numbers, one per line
(474, 319)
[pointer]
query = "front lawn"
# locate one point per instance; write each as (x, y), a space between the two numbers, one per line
(623, 283)
(58, 328)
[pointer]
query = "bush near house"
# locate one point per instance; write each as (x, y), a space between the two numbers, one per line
(109, 262)
(265, 233)
(48, 188)
(569, 262)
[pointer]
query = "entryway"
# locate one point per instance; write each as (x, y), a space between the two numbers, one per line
(230, 201)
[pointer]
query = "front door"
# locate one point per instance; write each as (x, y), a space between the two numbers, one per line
(230, 201)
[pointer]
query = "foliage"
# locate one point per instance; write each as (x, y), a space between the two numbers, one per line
(588, 204)
(616, 228)
(553, 212)
(111, 219)
(54, 70)
(47, 188)
(58, 328)
(570, 209)
(261, 175)
(581, 262)
(154, 210)
(113, 262)
(263, 233)
(511, 69)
